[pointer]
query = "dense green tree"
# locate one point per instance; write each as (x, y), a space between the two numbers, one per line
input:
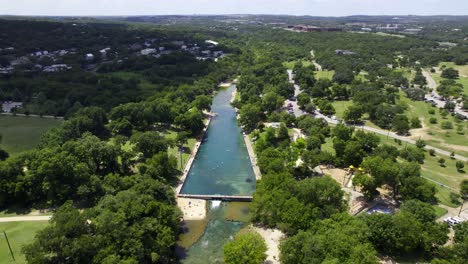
(449, 73)
(401, 124)
(246, 248)
(342, 239)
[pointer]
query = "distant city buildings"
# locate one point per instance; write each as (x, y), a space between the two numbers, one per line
(308, 28)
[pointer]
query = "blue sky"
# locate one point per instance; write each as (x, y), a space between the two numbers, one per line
(291, 7)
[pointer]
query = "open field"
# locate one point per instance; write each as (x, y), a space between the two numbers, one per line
(463, 70)
(23, 133)
(432, 171)
(291, 64)
(19, 234)
(171, 134)
(433, 134)
(340, 107)
(324, 74)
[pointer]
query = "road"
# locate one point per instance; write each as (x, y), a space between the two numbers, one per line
(298, 112)
(25, 218)
(434, 96)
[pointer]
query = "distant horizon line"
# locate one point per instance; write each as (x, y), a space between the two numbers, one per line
(246, 14)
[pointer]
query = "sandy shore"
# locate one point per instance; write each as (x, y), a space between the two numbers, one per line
(192, 209)
(272, 239)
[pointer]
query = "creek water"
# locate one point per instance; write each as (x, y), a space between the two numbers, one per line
(222, 166)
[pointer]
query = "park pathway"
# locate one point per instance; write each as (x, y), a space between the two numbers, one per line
(25, 218)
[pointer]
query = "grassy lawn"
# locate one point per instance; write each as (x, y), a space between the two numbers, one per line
(462, 69)
(171, 134)
(432, 171)
(439, 211)
(324, 74)
(340, 107)
(23, 133)
(291, 64)
(433, 134)
(19, 234)
(145, 85)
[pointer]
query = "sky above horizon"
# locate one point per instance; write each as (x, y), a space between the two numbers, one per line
(201, 7)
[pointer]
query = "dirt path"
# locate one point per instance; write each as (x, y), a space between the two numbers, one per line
(272, 239)
(25, 218)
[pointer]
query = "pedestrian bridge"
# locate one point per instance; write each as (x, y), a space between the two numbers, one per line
(239, 198)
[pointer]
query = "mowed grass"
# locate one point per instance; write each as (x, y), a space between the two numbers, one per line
(174, 151)
(431, 170)
(462, 69)
(340, 107)
(324, 74)
(23, 133)
(291, 64)
(433, 134)
(19, 234)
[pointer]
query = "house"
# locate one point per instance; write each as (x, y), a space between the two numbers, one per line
(89, 57)
(344, 52)
(7, 107)
(104, 51)
(56, 68)
(20, 61)
(366, 29)
(6, 70)
(211, 42)
(146, 52)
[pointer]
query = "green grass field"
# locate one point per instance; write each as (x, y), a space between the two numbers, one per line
(175, 152)
(430, 170)
(433, 134)
(324, 74)
(23, 133)
(462, 69)
(340, 107)
(291, 64)
(19, 234)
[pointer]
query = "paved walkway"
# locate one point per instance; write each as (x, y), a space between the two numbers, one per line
(253, 157)
(25, 218)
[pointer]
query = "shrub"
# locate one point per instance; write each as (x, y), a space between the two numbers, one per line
(433, 120)
(420, 143)
(460, 165)
(447, 125)
(431, 152)
(441, 162)
(415, 122)
(431, 111)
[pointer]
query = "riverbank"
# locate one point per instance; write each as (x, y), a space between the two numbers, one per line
(272, 239)
(192, 209)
